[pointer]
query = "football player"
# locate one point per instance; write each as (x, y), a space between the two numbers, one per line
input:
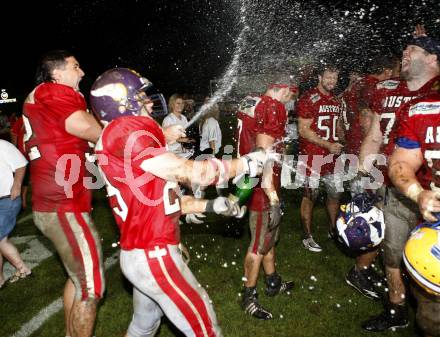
(419, 73)
(261, 124)
(418, 148)
(318, 112)
(58, 127)
(142, 183)
(356, 121)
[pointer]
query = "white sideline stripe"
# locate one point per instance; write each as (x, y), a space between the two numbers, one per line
(44, 314)
(24, 219)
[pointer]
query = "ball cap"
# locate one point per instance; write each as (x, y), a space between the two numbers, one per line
(292, 88)
(428, 43)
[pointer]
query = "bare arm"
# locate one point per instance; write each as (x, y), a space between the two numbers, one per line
(403, 166)
(305, 131)
(212, 145)
(366, 117)
(18, 180)
(371, 143)
(83, 125)
(189, 204)
(170, 167)
(264, 141)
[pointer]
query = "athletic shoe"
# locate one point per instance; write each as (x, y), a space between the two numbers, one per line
(359, 280)
(395, 316)
(252, 307)
(311, 245)
(275, 286)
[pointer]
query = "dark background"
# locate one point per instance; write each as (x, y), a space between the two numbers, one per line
(180, 45)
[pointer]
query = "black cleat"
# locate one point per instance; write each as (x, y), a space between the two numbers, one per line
(361, 281)
(275, 286)
(252, 307)
(395, 316)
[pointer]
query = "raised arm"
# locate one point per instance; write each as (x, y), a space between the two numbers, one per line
(83, 125)
(170, 167)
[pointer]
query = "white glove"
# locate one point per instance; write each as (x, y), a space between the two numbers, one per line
(224, 206)
(194, 218)
(254, 161)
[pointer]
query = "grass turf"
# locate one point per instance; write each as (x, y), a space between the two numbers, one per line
(321, 304)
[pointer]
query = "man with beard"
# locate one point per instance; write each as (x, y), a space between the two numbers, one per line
(356, 121)
(318, 112)
(419, 148)
(420, 70)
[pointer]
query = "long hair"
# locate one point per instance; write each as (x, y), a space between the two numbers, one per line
(55, 59)
(214, 112)
(172, 101)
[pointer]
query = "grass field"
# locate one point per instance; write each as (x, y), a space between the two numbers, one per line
(321, 305)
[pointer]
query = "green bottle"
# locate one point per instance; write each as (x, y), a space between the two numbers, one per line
(244, 188)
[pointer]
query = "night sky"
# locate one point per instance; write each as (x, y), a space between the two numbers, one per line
(181, 45)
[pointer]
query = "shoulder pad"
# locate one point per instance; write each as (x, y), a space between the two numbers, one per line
(388, 84)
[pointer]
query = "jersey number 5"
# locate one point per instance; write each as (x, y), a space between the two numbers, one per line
(328, 129)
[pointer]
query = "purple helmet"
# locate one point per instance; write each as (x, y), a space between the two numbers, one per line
(114, 93)
(360, 224)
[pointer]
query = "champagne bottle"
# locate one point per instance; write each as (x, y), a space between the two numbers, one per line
(243, 191)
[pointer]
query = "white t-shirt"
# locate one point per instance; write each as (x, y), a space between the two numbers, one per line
(10, 160)
(172, 119)
(211, 132)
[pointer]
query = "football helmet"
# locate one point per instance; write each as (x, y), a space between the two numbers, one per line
(360, 224)
(115, 93)
(422, 258)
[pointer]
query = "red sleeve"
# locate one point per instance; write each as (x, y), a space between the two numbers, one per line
(270, 117)
(60, 100)
(305, 107)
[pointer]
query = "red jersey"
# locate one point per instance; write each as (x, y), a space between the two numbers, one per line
(47, 141)
(389, 97)
(357, 98)
(263, 115)
(324, 111)
(420, 128)
(146, 208)
(18, 131)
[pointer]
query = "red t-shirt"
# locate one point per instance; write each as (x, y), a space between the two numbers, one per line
(356, 99)
(324, 111)
(419, 127)
(47, 141)
(146, 208)
(267, 116)
(389, 97)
